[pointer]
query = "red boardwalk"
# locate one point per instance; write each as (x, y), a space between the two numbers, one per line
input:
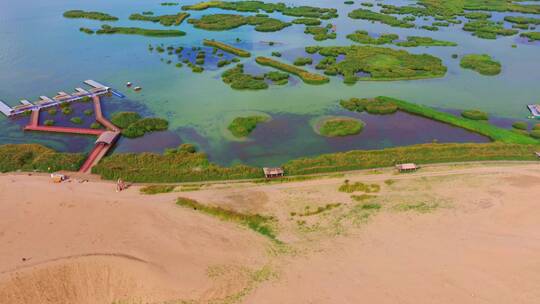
(92, 157)
(64, 130)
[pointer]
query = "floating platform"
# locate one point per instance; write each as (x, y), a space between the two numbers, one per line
(97, 89)
(535, 110)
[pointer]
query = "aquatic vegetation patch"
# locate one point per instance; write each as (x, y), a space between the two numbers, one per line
(366, 14)
(145, 125)
(89, 15)
(49, 122)
(477, 15)
(371, 105)
(475, 115)
(532, 36)
(107, 29)
(124, 119)
(238, 80)
(76, 120)
(222, 22)
(415, 41)
(301, 61)
(522, 20)
(520, 125)
(34, 157)
(257, 6)
(157, 189)
(243, 126)
(339, 126)
(365, 38)
(227, 48)
(165, 20)
(481, 63)
(86, 30)
(488, 29)
(307, 21)
(320, 33)
(382, 64)
(277, 78)
(307, 77)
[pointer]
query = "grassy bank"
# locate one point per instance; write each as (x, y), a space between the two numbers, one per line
(421, 154)
(33, 157)
(307, 77)
(227, 48)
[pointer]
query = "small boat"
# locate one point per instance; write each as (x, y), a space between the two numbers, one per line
(129, 84)
(136, 89)
(535, 110)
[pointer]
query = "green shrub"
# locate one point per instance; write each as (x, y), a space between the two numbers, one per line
(52, 111)
(359, 187)
(156, 189)
(88, 112)
(95, 126)
(303, 61)
(475, 115)
(67, 110)
(48, 122)
(520, 125)
(76, 120)
(236, 78)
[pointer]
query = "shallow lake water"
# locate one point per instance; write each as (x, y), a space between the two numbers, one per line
(42, 53)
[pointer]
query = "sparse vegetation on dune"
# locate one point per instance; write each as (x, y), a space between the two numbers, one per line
(263, 225)
(348, 187)
(157, 189)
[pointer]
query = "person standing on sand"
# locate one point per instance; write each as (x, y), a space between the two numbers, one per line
(119, 185)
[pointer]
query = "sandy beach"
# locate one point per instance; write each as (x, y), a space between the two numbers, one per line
(467, 233)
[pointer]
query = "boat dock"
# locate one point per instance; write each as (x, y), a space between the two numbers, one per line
(535, 110)
(97, 89)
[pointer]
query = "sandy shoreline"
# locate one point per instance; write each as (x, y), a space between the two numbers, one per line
(85, 243)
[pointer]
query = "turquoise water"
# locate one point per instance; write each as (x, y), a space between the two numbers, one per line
(42, 53)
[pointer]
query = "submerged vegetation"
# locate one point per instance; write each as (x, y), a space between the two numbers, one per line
(243, 126)
(221, 22)
(306, 76)
(90, 15)
(107, 29)
(482, 64)
(339, 126)
(227, 48)
(380, 63)
(165, 20)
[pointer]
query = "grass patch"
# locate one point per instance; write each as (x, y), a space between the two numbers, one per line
(124, 119)
(307, 77)
(227, 48)
(258, 223)
(347, 187)
(76, 120)
(487, 29)
(309, 212)
(145, 125)
(482, 64)
(243, 126)
(236, 78)
(339, 126)
(371, 105)
(520, 125)
(320, 33)
(366, 14)
(416, 207)
(156, 189)
(362, 197)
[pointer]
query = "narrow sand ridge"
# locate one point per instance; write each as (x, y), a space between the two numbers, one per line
(477, 241)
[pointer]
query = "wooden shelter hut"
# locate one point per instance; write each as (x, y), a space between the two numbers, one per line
(273, 172)
(410, 167)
